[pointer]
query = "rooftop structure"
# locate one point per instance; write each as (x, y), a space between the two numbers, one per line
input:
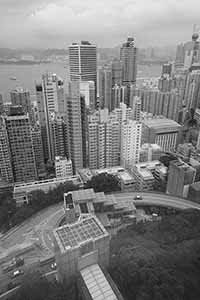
(22, 190)
(74, 235)
(143, 174)
(126, 179)
(87, 201)
(97, 284)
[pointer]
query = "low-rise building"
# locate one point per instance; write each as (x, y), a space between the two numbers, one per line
(181, 175)
(88, 202)
(149, 152)
(23, 190)
(194, 192)
(127, 181)
(63, 167)
(144, 174)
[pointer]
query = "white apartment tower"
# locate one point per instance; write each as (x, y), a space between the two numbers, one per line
(130, 143)
(103, 141)
(50, 100)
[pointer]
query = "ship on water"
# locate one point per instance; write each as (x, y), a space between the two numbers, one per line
(13, 78)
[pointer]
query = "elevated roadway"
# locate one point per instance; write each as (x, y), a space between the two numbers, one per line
(160, 200)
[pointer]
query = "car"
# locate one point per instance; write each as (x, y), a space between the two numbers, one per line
(138, 197)
(17, 273)
(54, 266)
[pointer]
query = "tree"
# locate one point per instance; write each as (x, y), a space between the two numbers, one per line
(159, 260)
(104, 183)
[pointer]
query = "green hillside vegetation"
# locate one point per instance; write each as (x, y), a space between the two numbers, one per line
(160, 260)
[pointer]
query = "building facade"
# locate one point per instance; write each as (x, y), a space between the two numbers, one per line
(21, 148)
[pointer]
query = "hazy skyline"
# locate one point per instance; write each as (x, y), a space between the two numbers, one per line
(57, 23)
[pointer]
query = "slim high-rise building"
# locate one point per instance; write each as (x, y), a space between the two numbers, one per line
(87, 90)
(5, 156)
(76, 126)
(136, 108)
(105, 88)
(128, 56)
(103, 141)
(59, 134)
(130, 143)
(192, 90)
(1, 104)
(38, 148)
(116, 96)
(116, 72)
(50, 99)
(21, 148)
(20, 96)
(83, 62)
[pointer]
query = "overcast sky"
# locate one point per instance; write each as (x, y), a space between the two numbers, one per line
(57, 23)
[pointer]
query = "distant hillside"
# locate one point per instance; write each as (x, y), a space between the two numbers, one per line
(159, 261)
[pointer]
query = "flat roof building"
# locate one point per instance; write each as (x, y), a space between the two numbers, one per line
(80, 244)
(161, 131)
(22, 190)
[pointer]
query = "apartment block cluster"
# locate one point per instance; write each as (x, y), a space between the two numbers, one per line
(104, 119)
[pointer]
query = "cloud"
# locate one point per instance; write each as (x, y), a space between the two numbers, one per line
(48, 23)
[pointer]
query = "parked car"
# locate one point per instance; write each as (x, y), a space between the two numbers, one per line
(138, 197)
(17, 273)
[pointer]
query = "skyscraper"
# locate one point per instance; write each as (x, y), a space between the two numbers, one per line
(83, 62)
(50, 100)
(130, 143)
(38, 148)
(76, 126)
(116, 96)
(5, 156)
(128, 56)
(21, 148)
(87, 90)
(116, 72)
(103, 140)
(20, 96)
(105, 88)
(136, 107)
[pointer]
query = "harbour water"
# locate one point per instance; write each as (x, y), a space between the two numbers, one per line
(27, 75)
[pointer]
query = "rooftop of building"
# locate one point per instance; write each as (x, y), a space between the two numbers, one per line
(24, 185)
(145, 168)
(196, 186)
(62, 158)
(19, 89)
(97, 284)
(181, 165)
(152, 146)
(161, 123)
(74, 235)
(82, 43)
(82, 195)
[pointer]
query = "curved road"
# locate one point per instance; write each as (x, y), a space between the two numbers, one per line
(158, 200)
(42, 223)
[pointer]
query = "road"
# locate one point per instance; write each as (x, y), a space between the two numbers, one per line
(158, 200)
(40, 226)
